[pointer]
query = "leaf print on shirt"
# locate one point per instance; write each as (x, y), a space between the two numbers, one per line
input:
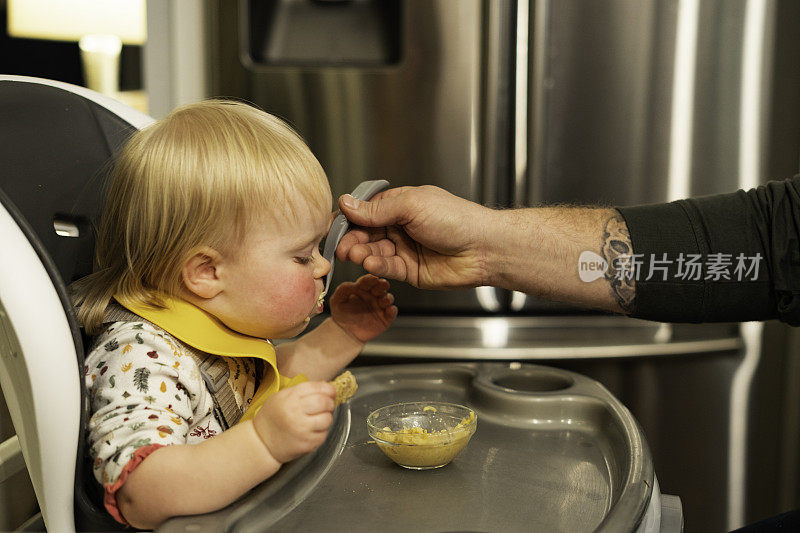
(152, 355)
(138, 326)
(127, 348)
(183, 389)
(137, 425)
(141, 442)
(111, 380)
(139, 338)
(163, 387)
(140, 377)
(111, 345)
(127, 366)
(204, 432)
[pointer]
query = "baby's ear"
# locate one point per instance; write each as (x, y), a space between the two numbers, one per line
(200, 272)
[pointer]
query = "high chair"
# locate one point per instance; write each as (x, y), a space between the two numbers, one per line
(56, 141)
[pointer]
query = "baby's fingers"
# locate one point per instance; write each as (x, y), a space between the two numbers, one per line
(372, 285)
(318, 403)
(387, 300)
(380, 287)
(320, 422)
(313, 388)
(390, 313)
(366, 282)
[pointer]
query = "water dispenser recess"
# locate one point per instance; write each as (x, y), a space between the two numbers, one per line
(324, 32)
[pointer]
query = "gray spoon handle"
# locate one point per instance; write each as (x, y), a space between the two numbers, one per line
(364, 191)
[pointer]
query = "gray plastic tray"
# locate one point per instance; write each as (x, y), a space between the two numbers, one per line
(553, 451)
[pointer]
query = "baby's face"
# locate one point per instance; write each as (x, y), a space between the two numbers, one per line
(272, 286)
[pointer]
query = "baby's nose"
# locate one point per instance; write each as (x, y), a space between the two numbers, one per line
(323, 267)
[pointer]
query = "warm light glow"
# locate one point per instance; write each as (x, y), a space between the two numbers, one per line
(69, 20)
(494, 332)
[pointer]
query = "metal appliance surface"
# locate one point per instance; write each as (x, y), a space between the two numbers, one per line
(520, 338)
(366, 121)
(521, 102)
(553, 451)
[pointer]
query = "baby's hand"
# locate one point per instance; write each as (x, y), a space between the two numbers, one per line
(295, 421)
(363, 309)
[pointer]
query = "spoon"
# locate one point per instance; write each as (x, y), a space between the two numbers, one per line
(340, 225)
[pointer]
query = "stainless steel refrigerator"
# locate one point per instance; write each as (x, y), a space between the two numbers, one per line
(517, 103)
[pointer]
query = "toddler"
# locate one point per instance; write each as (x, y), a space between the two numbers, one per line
(208, 247)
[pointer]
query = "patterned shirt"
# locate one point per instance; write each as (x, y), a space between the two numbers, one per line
(145, 392)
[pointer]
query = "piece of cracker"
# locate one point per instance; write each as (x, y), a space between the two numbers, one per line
(345, 385)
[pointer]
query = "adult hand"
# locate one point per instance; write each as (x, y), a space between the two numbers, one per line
(424, 236)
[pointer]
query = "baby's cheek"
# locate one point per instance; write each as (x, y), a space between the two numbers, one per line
(298, 291)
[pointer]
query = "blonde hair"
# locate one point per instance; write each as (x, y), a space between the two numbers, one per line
(196, 178)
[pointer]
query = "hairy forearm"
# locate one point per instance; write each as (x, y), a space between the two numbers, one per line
(319, 354)
(537, 251)
(190, 479)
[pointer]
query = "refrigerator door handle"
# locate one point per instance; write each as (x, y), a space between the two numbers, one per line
(497, 109)
(521, 104)
(522, 184)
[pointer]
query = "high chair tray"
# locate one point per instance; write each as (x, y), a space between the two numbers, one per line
(553, 451)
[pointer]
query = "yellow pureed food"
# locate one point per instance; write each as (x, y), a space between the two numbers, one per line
(416, 447)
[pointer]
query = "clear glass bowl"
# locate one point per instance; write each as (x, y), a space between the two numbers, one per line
(422, 435)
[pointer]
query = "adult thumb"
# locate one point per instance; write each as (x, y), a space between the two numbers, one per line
(378, 212)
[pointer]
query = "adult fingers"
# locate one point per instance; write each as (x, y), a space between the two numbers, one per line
(385, 209)
(389, 267)
(358, 236)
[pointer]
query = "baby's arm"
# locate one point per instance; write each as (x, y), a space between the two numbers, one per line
(145, 396)
(190, 479)
(319, 354)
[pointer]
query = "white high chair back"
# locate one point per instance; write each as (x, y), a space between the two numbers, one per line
(55, 141)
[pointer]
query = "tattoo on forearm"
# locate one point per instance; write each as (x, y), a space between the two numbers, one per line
(616, 244)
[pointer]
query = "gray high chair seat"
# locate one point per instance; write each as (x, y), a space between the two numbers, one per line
(56, 144)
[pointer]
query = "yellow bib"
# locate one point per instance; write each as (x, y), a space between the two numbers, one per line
(207, 333)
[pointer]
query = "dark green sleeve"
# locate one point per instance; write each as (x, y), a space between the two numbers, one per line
(761, 227)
